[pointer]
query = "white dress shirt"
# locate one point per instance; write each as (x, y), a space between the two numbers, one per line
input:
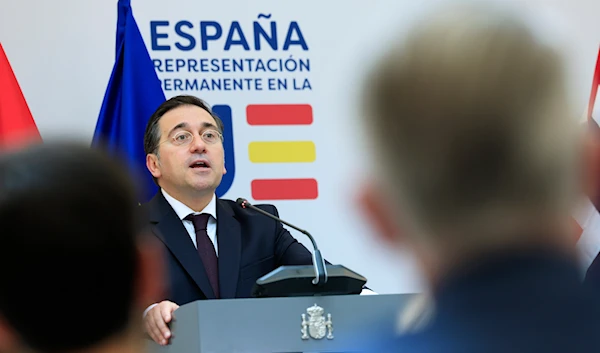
(588, 244)
(183, 211)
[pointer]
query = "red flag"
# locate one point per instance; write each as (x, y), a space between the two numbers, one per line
(595, 83)
(17, 127)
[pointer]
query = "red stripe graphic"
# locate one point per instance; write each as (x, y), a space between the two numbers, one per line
(284, 189)
(279, 114)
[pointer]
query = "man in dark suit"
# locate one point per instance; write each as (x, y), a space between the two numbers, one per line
(214, 248)
(479, 173)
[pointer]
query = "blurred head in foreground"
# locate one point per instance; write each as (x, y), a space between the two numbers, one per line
(477, 145)
(73, 265)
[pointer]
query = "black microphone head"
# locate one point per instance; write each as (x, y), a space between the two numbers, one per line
(242, 202)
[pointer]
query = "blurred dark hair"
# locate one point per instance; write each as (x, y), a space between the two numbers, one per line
(67, 247)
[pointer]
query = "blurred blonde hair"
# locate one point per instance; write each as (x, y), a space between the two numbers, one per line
(472, 125)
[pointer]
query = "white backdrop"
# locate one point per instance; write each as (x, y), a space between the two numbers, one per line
(62, 53)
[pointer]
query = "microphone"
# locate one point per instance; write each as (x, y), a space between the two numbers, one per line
(318, 279)
(318, 262)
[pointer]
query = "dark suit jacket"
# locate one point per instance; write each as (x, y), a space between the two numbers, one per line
(250, 246)
(513, 302)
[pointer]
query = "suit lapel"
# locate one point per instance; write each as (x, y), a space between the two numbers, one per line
(171, 231)
(229, 240)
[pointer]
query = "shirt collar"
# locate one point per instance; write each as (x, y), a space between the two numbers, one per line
(183, 211)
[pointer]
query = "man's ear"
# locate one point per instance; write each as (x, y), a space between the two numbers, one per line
(153, 165)
(8, 338)
(151, 276)
(591, 163)
(379, 213)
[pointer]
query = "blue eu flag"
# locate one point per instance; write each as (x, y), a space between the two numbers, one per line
(133, 94)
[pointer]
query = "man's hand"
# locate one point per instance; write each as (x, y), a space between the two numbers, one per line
(156, 320)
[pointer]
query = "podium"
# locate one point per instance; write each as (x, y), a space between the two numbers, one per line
(291, 324)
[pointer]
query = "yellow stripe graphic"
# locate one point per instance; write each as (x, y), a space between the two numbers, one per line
(282, 152)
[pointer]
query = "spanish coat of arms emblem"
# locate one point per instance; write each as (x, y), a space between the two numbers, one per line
(316, 326)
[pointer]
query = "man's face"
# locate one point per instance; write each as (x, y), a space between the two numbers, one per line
(190, 166)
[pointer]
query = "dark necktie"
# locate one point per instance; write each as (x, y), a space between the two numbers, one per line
(206, 249)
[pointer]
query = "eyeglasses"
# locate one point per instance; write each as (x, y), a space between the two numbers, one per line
(184, 138)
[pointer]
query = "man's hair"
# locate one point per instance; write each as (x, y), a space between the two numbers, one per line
(67, 247)
(472, 123)
(152, 134)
